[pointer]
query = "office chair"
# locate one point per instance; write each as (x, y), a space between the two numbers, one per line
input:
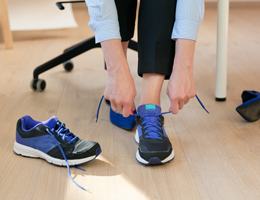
(65, 58)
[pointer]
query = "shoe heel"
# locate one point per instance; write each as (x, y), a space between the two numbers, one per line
(24, 150)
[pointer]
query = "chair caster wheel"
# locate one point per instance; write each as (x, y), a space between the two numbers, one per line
(68, 65)
(38, 85)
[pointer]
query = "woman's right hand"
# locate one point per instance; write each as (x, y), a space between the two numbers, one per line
(120, 89)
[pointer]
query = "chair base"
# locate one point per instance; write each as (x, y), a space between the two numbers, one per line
(66, 57)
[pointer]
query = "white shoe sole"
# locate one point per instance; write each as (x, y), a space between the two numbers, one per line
(141, 160)
(34, 153)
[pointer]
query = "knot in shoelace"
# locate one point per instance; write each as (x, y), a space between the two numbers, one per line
(64, 133)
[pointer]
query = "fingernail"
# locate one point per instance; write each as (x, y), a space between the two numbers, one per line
(170, 108)
(132, 111)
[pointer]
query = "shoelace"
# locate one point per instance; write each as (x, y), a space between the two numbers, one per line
(99, 107)
(146, 114)
(201, 104)
(152, 127)
(65, 135)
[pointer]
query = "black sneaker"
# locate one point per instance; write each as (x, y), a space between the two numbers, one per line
(34, 139)
(154, 145)
(53, 142)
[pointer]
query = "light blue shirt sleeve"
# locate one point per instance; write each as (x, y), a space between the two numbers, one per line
(103, 19)
(105, 25)
(189, 14)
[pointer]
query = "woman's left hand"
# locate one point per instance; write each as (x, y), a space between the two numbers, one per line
(181, 86)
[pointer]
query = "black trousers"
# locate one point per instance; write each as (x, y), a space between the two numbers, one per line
(156, 18)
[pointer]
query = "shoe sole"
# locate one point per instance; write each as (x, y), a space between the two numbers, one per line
(249, 112)
(25, 151)
(154, 160)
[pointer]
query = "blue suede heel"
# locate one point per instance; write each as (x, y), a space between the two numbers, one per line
(119, 120)
(250, 109)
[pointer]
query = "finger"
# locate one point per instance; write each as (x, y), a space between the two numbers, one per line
(119, 109)
(181, 104)
(175, 107)
(126, 110)
(113, 106)
(186, 100)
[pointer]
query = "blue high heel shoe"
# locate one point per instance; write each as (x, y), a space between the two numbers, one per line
(250, 109)
(127, 123)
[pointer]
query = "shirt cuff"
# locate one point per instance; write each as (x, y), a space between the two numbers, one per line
(185, 29)
(105, 30)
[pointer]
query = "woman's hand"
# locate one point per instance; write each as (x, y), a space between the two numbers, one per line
(120, 89)
(181, 86)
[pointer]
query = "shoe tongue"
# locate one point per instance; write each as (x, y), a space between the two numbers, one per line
(51, 123)
(148, 109)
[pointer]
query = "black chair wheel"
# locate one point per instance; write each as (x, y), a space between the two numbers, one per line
(68, 65)
(38, 85)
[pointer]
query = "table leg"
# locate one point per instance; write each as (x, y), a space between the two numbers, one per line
(222, 39)
(4, 22)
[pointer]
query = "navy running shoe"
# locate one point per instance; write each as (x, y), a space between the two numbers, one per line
(44, 139)
(154, 145)
(53, 142)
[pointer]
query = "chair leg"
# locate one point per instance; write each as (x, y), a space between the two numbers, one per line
(4, 22)
(67, 55)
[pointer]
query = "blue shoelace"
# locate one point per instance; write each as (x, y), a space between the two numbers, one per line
(65, 134)
(152, 127)
(155, 127)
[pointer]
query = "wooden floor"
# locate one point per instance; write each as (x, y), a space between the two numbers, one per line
(217, 155)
